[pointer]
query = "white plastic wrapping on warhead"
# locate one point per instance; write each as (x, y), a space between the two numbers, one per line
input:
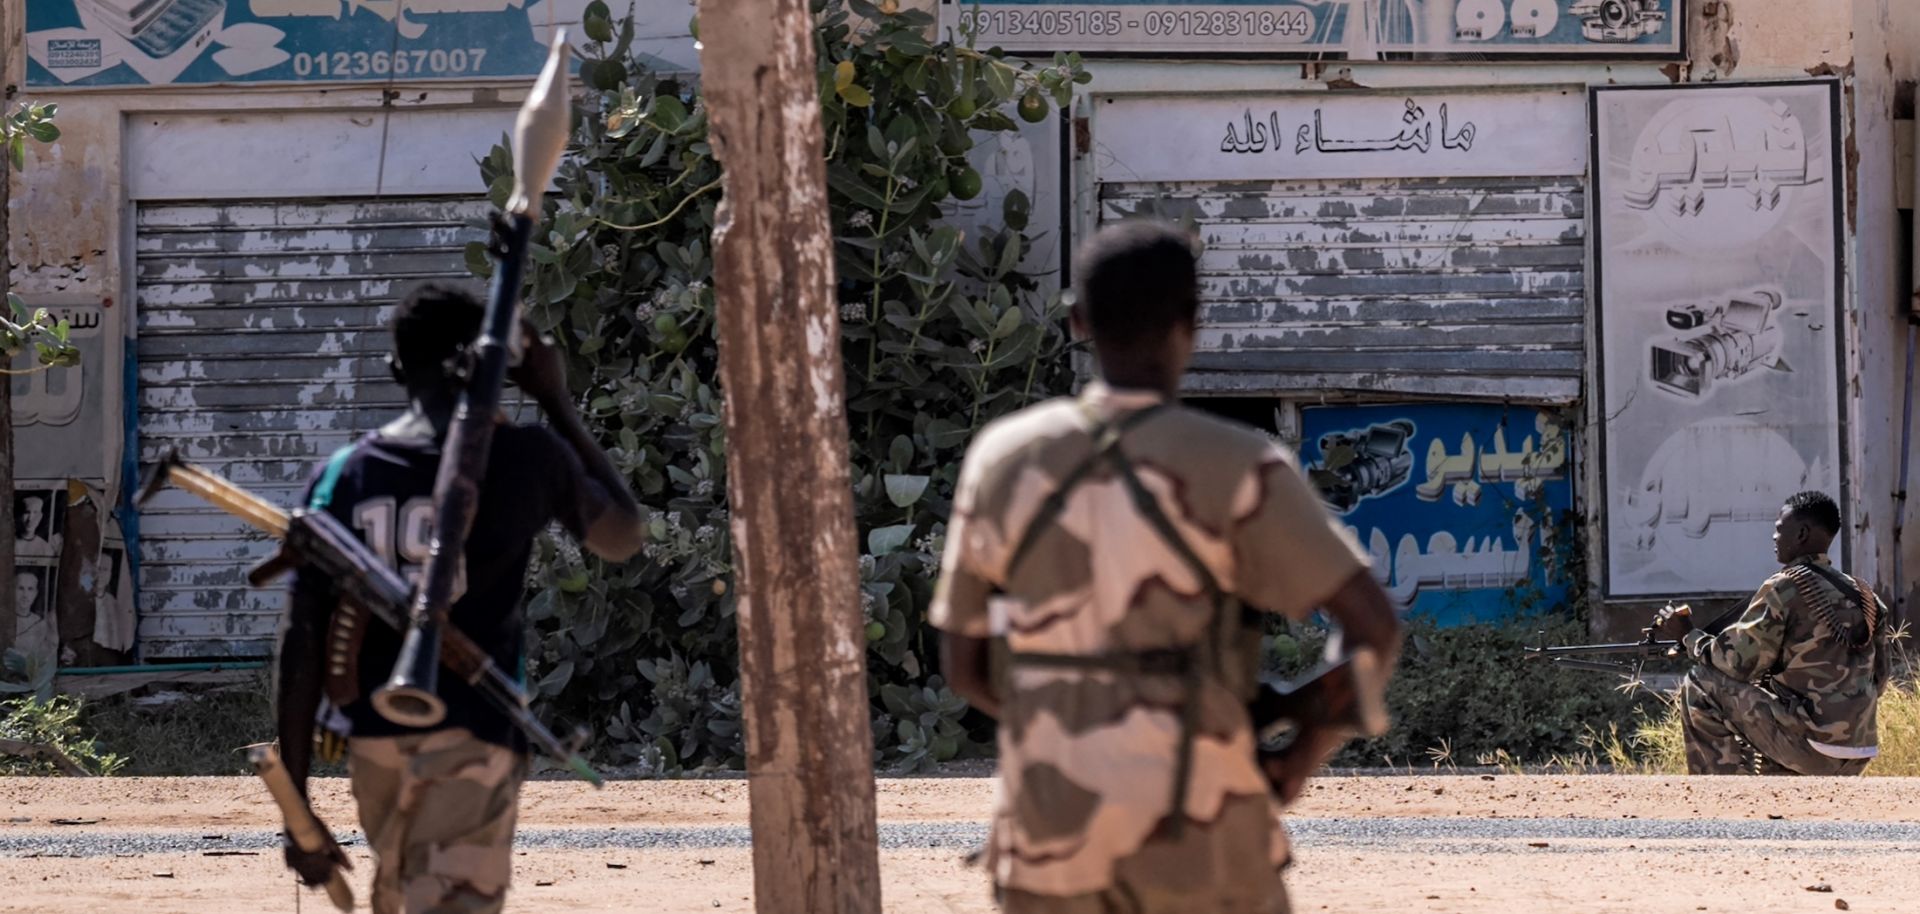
(540, 132)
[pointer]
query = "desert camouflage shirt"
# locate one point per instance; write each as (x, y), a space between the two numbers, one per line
(1804, 641)
(1087, 755)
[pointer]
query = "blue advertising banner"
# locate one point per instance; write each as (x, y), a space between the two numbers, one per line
(198, 42)
(1466, 509)
(1358, 29)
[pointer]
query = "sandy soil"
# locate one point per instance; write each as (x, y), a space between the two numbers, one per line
(1507, 875)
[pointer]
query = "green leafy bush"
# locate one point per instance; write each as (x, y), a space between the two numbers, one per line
(53, 726)
(941, 334)
(1468, 693)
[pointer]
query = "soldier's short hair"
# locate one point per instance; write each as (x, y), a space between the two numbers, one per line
(1817, 508)
(433, 323)
(1136, 280)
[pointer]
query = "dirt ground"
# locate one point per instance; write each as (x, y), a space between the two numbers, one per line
(1508, 870)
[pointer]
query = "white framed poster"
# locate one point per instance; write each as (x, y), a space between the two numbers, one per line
(1719, 335)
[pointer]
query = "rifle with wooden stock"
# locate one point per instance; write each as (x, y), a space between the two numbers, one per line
(314, 539)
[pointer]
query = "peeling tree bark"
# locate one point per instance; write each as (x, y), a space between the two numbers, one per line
(802, 648)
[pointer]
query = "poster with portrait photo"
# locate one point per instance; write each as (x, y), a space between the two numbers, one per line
(1718, 328)
(38, 521)
(32, 590)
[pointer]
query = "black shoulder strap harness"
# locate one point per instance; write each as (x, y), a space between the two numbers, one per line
(1192, 663)
(1820, 600)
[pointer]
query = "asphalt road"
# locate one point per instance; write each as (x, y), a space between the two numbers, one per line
(1425, 835)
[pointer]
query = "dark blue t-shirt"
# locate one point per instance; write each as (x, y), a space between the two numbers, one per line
(382, 490)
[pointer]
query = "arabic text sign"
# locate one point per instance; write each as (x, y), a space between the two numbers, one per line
(1216, 138)
(1361, 29)
(1464, 507)
(179, 42)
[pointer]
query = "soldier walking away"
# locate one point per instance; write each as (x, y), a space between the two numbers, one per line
(1111, 540)
(438, 805)
(1791, 687)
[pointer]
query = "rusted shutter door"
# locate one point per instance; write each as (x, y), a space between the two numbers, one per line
(1461, 287)
(261, 349)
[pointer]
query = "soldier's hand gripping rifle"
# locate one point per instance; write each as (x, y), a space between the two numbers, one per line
(540, 135)
(314, 539)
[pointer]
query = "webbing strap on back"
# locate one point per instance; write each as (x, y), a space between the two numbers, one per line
(1190, 663)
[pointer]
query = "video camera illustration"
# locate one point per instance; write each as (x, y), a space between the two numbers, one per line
(1618, 20)
(1360, 463)
(1720, 346)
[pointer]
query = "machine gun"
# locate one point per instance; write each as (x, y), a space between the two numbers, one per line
(1637, 653)
(315, 539)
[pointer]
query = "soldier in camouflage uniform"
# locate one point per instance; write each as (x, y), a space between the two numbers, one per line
(1095, 536)
(1791, 687)
(438, 804)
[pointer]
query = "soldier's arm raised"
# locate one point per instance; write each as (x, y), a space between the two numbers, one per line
(612, 522)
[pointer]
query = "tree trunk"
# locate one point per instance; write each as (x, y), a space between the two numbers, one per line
(802, 648)
(9, 622)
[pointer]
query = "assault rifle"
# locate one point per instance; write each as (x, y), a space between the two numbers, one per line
(314, 539)
(1635, 653)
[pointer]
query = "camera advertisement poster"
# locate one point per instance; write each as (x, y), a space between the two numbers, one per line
(200, 42)
(1718, 327)
(1466, 509)
(1320, 29)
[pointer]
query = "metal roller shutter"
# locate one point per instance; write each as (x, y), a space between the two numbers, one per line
(261, 350)
(1454, 287)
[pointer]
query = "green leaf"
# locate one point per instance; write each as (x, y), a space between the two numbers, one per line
(668, 113)
(905, 491)
(1009, 257)
(44, 131)
(887, 540)
(1000, 80)
(900, 452)
(857, 96)
(60, 330)
(553, 682)
(843, 73)
(1009, 322)
(17, 151)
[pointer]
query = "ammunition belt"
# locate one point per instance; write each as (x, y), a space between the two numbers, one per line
(1823, 592)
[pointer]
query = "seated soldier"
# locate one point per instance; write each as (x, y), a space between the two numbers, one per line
(1791, 686)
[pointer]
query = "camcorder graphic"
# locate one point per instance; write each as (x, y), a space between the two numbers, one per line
(1618, 20)
(1358, 463)
(1718, 346)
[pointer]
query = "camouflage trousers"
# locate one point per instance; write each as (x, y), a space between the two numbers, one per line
(1733, 727)
(1220, 867)
(438, 810)
(1126, 897)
